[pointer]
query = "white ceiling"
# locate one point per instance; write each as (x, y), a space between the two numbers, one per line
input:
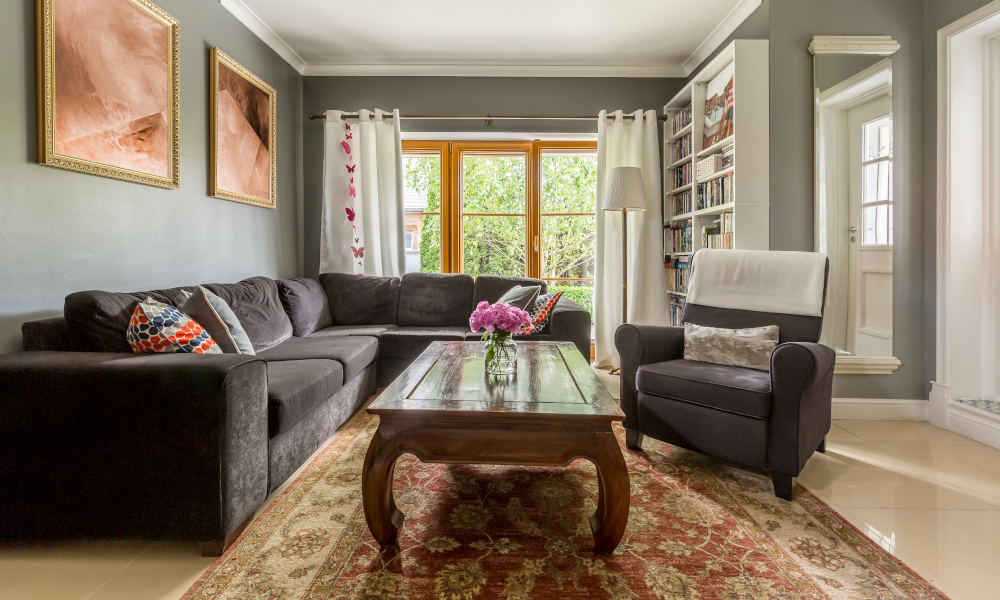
(624, 38)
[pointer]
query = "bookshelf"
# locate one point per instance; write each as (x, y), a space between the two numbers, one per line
(735, 197)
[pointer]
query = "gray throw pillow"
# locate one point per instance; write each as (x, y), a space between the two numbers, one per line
(213, 314)
(750, 348)
(521, 297)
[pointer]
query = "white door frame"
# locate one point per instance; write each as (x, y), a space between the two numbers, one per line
(967, 235)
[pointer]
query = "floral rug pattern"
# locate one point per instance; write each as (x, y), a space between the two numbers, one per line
(698, 529)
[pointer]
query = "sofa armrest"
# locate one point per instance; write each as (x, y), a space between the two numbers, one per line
(45, 334)
(643, 345)
(570, 322)
(170, 446)
(801, 391)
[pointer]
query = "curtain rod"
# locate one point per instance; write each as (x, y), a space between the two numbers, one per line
(488, 118)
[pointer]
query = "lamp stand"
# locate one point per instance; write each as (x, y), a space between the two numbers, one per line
(617, 370)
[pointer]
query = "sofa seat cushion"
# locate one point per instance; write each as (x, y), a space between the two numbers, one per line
(409, 342)
(295, 387)
(355, 330)
(734, 389)
(353, 352)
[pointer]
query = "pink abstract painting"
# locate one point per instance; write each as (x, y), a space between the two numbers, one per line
(244, 156)
(112, 84)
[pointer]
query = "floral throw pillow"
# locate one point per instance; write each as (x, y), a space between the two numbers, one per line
(541, 314)
(156, 327)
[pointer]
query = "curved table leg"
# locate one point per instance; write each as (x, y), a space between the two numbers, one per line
(384, 519)
(608, 522)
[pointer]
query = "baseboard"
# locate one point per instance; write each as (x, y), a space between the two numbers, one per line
(974, 423)
(879, 409)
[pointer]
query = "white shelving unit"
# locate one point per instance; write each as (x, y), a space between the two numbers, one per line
(750, 140)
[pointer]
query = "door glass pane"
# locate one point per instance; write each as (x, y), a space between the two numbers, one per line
(569, 183)
(493, 245)
(876, 224)
(422, 212)
(493, 184)
(568, 246)
(877, 185)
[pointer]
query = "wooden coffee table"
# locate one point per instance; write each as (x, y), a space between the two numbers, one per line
(444, 409)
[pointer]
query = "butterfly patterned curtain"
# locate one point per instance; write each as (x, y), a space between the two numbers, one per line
(362, 222)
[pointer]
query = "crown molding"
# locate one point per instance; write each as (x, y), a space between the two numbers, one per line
(494, 70)
(853, 44)
(720, 34)
(246, 16)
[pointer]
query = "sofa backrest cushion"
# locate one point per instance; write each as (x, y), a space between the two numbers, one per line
(256, 303)
(361, 299)
(97, 321)
(435, 300)
(305, 304)
(491, 287)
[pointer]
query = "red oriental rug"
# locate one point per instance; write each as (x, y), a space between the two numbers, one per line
(698, 529)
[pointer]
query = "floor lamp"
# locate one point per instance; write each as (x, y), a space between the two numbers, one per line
(625, 192)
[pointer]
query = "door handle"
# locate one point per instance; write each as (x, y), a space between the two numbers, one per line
(852, 229)
(536, 244)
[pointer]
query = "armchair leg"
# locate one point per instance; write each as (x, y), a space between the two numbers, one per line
(633, 439)
(822, 446)
(783, 485)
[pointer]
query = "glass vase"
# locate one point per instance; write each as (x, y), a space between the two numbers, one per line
(501, 355)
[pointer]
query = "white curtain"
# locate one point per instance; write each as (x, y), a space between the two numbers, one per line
(628, 143)
(362, 222)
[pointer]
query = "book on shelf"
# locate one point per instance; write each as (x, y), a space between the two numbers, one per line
(683, 203)
(720, 107)
(716, 192)
(678, 273)
(728, 156)
(682, 175)
(681, 120)
(676, 310)
(720, 235)
(677, 236)
(682, 148)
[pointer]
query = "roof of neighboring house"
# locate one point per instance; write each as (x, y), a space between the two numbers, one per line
(414, 201)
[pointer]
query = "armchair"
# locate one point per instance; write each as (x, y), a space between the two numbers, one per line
(770, 420)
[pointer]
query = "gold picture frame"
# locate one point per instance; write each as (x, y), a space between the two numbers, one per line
(236, 170)
(111, 130)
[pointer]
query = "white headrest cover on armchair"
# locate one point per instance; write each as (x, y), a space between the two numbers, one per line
(790, 283)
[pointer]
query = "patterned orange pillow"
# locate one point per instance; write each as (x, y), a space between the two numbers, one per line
(158, 327)
(542, 313)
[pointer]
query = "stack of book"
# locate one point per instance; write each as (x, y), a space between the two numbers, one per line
(683, 203)
(678, 273)
(682, 148)
(728, 156)
(680, 236)
(716, 192)
(682, 175)
(680, 120)
(676, 310)
(719, 236)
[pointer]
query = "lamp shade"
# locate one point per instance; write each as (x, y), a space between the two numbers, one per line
(625, 190)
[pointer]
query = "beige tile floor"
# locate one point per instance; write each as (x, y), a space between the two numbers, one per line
(932, 496)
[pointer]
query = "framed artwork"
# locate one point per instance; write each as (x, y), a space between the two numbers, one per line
(243, 167)
(109, 89)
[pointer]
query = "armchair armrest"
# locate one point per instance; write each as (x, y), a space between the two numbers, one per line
(801, 391)
(171, 446)
(642, 345)
(571, 323)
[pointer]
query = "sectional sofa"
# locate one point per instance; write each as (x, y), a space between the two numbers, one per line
(98, 441)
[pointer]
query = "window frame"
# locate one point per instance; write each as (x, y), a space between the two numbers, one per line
(451, 153)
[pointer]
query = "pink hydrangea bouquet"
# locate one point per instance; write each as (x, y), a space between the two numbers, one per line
(500, 322)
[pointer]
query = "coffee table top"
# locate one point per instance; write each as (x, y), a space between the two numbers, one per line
(552, 380)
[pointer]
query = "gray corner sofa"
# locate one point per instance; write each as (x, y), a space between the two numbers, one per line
(98, 441)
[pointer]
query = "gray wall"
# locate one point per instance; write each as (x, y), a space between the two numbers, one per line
(62, 231)
(463, 95)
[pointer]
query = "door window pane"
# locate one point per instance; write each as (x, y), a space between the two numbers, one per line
(422, 212)
(568, 246)
(876, 224)
(569, 183)
(493, 184)
(493, 245)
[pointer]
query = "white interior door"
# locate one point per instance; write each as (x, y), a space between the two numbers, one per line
(869, 231)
